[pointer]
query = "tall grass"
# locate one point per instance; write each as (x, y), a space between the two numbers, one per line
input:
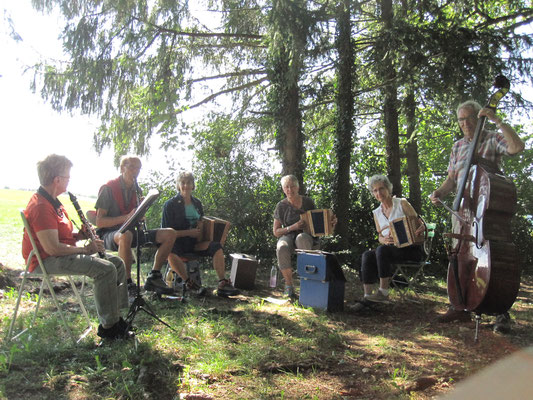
(11, 202)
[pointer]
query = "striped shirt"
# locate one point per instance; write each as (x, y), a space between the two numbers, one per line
(491, 147)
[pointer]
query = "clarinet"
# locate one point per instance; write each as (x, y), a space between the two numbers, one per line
(88, 227)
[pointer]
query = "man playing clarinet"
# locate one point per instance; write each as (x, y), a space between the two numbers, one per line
(56, 242)
(116, 203)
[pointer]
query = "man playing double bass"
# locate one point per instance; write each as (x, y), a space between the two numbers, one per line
(492, 146)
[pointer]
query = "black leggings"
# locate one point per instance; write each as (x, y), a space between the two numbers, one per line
(377, 263)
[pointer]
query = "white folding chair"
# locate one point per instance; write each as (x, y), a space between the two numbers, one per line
(407, 273)
(45, 278)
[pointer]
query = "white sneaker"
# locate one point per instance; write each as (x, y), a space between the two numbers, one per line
(377, 297)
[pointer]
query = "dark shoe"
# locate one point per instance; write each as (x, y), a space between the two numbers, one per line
(225, 289)
(155, 283)
(132, 289)
(356, 307)
(454, 315)
(193, 286)
(290, 293)
(121, 330)
(503, 323)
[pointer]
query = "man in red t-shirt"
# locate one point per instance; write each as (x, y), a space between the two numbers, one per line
(54, 237)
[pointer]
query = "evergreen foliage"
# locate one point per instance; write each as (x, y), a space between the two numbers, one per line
(266, 74)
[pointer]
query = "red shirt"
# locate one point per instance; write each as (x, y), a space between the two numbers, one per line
(41, 216)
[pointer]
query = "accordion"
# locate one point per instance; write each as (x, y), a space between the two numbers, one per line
(403, 231)
(318, 222)
(214, 229)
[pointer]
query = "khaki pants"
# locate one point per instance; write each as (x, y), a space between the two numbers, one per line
(287, 244)
(109, 275)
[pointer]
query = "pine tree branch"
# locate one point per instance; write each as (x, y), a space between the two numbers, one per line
(202, 34)
(225, 91)
(527, 14)
(229, 75)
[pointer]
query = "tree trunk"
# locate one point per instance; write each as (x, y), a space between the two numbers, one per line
(390, 103)
(286, 50)
(413, 169)
(290, 123)
(344, 123)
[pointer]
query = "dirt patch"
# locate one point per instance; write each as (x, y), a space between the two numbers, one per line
(394, 351)
(7, 277)
(390, 351)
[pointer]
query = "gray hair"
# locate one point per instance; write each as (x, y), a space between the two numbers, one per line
(126, 160)
(291, 178)
(473, 105)
(379, 179)
(52, 166)
(185, 176)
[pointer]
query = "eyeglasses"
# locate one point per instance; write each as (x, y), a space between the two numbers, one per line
(463, 119)
(64, 177)
(134, 167)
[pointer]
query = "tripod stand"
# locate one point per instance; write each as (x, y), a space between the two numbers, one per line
(135, 222)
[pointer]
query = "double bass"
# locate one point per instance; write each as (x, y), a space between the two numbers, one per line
(483, 272)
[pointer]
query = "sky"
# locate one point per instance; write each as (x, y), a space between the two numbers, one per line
(31, 129)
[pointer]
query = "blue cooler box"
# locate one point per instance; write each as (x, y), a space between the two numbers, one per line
(321, 280)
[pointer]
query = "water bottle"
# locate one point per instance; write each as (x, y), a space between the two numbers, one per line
(273, 276)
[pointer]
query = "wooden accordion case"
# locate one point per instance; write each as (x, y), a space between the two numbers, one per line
(318, 222)
(403, 231)
(214, 230)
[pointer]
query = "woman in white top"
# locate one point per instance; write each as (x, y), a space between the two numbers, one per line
(376, 264)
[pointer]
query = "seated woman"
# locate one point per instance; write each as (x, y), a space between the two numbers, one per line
(183, 213)
(288, 228)
(378, 263)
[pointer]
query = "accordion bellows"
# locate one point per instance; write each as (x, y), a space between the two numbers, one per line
(318, 222)
(403, 231)
(214, 230)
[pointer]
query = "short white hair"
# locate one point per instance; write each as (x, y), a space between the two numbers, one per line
(379, 179)
(474, 105)
(291, 178)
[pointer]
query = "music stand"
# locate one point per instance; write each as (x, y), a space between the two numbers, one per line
(134, 223)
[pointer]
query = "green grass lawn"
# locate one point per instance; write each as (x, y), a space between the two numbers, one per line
(246, 347)
(11, 202)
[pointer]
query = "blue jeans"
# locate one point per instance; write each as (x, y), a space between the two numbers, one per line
(109, 275)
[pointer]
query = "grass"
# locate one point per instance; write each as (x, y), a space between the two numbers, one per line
(245, 347)
(11, 202)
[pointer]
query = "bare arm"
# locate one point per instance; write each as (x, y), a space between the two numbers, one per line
(194, 232)
(279, 231)
(381, 238)
(49, 239)
(444, 189)
(514, 143)
(103, 221)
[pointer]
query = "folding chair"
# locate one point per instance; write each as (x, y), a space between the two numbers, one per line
(407, 273)
(45, 278)
(193, 269)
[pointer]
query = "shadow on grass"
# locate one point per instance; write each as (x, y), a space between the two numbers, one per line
(246, 347)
